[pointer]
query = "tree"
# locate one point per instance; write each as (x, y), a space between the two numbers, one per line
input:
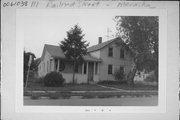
(119, 75)
(74, 47)
(140, 34)
(26, 60)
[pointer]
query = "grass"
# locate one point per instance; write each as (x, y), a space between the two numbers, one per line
(33, 86)
(136, 86)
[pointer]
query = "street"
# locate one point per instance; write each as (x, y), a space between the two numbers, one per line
(127, 101)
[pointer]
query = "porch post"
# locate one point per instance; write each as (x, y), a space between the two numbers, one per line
(87, 68)
(97, 67)
(53, 64)
(58, 66)
(94, 67)
(82, 68)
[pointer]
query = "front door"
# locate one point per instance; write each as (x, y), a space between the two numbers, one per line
(90, 71)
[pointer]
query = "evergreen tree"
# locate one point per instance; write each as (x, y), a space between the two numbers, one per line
(74, 46)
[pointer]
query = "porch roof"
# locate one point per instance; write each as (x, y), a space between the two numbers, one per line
(91, 58)
(56, 52)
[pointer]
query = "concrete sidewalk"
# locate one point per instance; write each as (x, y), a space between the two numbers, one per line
(122, 90)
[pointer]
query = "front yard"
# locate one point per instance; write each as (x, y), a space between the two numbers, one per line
(100, 90)
(33, 86)
(136, 86)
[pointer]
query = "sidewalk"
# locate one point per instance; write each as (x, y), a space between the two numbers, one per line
(122, 90)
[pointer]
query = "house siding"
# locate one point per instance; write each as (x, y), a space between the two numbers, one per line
(95, 54)
(115, 61)
(44, 68)
(47, 65)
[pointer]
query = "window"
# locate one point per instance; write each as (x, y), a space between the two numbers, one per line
(110, 54)
(122, 53)
(50, 65)
(122, 69)
(61, 66)
(56, 64)
(85, 67)
(109, 69)
(47, 66)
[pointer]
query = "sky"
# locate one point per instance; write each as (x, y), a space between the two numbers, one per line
(50, 26)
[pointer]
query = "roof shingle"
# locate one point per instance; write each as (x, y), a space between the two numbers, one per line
(101, 45)
(56, 51)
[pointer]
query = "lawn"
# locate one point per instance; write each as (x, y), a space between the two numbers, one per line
(136, 86)
(34, 86)
(67, 89)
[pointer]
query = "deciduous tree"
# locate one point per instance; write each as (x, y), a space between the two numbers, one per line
(140, 33)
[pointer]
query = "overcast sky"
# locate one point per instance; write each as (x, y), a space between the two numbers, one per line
(50, 26)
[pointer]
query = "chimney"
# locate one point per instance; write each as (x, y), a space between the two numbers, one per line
(99, 40)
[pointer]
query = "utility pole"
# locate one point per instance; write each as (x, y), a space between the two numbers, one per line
(29, 64)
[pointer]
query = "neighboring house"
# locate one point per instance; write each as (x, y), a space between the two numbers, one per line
(141, 76)
(99, 64)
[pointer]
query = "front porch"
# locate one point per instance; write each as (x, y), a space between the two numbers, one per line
(85, 72)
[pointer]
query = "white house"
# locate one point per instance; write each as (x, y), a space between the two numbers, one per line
(99, 64)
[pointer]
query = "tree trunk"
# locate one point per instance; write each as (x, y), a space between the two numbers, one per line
(74, 72)
(131, 75)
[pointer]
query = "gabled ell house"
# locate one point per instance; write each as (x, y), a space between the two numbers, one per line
(99, 64)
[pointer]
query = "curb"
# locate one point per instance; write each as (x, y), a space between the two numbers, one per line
(87, 97)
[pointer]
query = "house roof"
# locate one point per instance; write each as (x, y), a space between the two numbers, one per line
(91, 58)
(101, 45)
(56, 51)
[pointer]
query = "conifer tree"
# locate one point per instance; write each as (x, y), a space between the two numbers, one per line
(74, 46)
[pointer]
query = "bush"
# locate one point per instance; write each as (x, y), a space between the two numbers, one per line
(119, 75)
(35, 96)
(54, 79)
(54, 95)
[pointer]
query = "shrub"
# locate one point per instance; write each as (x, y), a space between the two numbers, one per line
(87, 96)
(35, 96)
(54, 79)
(66, 94)
(119, 75)
(54, 95)
(105, 96)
